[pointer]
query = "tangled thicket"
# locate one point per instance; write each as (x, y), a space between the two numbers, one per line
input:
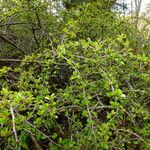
(73, 79)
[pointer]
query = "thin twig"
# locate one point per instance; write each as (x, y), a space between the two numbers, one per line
(92, 127)
(10, 60)
(12, 24)
(19, 60)
(41, 132)
(11, 43)
(13, 123)
(132, 133)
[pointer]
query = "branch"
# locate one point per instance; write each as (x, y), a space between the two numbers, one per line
(11, 43)
(38, 19)
(13, 123)
(37, 146)
(41, 132)
(20, 60)
(12, 24)
(131, 133)
(34, 36)
(10, 60)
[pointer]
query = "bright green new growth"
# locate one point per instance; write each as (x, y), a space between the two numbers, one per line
(76, 80)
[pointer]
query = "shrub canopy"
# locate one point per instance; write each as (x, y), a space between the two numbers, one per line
(74, 75)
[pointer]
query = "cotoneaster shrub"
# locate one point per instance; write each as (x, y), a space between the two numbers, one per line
(86, 95)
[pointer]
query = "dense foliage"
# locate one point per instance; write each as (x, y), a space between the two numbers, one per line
(73, 75)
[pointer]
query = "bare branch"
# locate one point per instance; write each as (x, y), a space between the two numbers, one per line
(10, 60)
(13, 123)
(11, 43)
(11, 24)
(41, 132)
(130, 132)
